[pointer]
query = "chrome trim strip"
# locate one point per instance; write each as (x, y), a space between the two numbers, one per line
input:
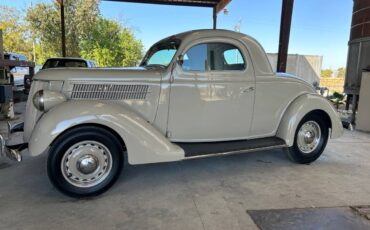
(2, 146)
(236, 152)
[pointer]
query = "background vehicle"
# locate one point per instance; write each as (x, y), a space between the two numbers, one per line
(61, 62)
(68, 62)
(195, 94)
(17, 73)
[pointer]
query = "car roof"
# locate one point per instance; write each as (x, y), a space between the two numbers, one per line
(69, 58)
(209, 31)
(15, 54)
(261, 63)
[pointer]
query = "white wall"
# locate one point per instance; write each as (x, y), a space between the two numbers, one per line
(307, 67)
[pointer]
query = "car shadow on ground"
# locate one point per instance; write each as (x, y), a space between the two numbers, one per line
(213, 170)
(210, 173)
(33, 176)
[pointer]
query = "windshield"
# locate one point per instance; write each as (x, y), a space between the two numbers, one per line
(58, 63)
(161, 53)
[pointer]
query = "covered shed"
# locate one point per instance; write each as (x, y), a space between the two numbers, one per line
(217, 6)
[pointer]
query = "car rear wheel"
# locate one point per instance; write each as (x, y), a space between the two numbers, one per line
(85, 161)
(310, 140)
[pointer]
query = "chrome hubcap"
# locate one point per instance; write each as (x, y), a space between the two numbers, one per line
(309, 136)
(86, 163)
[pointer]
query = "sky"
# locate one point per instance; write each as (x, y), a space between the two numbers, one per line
(319, 27)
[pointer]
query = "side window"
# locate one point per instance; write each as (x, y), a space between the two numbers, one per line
(213, 56)
(162, 57)
(195, 58)
(233, 57)
(48, 64)
(22, 58)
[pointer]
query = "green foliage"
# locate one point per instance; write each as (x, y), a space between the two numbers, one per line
(325, 73)
(15, 36)
(341, 72)
(112, 45)
(132, 49)
(44, 21)
(88, 34)
(338, 96)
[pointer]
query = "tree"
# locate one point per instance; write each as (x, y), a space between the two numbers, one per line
(44, 21)
(44, 24)
(88, 34)
(109, 44)
(15, 33)
(131, 47)
(325, 73)
(341, 72)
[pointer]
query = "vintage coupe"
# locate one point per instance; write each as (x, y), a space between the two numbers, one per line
(195, 94)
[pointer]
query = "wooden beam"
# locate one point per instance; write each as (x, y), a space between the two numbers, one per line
(62, 27)
(221, 5)
(1, 45)
(205, 3)
(214, 18)
(285, 24)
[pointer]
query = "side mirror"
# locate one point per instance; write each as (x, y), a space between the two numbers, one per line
(180, 60)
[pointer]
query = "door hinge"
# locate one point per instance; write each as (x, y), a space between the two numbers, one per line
(168, 134)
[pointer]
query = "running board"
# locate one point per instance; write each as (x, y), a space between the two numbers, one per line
(205, 149)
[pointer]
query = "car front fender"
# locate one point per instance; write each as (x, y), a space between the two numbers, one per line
(300, 107)
(144, 143)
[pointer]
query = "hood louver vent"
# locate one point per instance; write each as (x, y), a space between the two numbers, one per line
(109, 92)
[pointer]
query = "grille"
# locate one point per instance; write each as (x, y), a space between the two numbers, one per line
(109, 91)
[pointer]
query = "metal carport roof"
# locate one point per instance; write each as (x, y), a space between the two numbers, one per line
(218, 4)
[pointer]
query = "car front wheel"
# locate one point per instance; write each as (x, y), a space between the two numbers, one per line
(310, 140)
(85, 161)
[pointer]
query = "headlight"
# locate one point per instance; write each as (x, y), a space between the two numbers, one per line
(38, 100)
(47, 99)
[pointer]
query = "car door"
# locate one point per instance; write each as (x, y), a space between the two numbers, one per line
(212, 93)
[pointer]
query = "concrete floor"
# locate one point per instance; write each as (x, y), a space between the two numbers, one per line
(210, 193)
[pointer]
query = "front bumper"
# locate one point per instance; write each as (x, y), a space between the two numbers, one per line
(12, 151)
(18, 84)
(12, 154)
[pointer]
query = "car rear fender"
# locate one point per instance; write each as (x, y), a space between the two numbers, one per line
(300, 107)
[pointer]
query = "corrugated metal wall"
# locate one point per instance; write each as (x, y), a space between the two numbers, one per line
(360, 19)
(307, 67)
(359, 46)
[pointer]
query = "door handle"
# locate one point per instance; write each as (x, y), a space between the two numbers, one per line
(247, 90)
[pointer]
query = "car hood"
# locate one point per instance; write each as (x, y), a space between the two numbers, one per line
(99, 74)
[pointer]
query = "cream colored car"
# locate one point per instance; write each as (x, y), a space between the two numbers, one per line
(195, 94)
